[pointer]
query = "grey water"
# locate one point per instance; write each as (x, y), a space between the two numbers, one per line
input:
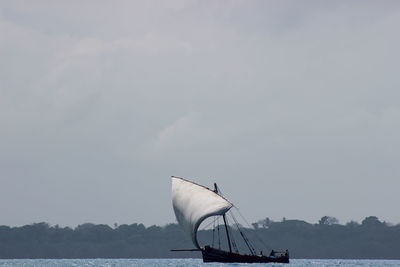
(185, 262)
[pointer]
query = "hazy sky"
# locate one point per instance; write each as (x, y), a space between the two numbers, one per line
(292, 107)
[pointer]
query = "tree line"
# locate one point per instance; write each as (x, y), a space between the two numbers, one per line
(370, 239)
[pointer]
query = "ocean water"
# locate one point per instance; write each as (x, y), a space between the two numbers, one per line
(186, 262)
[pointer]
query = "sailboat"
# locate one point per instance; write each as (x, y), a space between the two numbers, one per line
(193, 203)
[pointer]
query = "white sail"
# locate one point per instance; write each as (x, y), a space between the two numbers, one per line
(194, 203)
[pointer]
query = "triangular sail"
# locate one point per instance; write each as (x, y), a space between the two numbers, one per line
(194, 203)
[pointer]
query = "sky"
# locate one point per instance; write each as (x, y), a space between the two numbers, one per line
(292, 107)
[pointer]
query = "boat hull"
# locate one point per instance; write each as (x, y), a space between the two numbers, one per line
(216, 255)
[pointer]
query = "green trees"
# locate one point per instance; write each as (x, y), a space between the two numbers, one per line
(372, 221)
(326, 239)
(328, 220)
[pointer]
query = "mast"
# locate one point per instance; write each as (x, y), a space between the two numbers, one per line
(227, 234)
(226, 226)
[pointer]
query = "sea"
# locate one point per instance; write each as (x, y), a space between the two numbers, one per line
(186, 262)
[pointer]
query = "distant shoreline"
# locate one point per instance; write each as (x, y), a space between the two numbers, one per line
(372, 239)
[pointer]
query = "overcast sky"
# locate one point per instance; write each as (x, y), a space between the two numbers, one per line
(292, 107)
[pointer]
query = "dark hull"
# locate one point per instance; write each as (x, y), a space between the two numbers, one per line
(216, 255)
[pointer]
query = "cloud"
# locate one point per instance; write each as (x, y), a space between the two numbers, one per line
(181, 132)
(108, 100)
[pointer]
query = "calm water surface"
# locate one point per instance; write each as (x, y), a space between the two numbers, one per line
(188, 262)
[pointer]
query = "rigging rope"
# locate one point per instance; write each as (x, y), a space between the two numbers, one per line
(207, 225)
(232, 237)
(246, 240)
(251, 227)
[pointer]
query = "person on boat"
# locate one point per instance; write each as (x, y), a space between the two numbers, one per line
(272, 254)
